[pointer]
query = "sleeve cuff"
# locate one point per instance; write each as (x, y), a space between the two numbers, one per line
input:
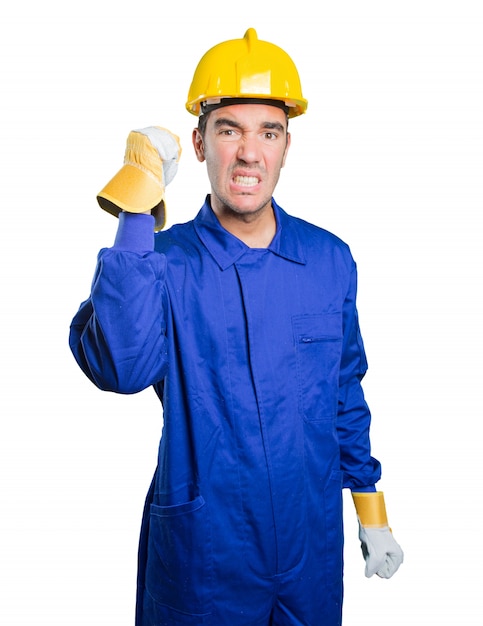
(366, 489)
(135, 233)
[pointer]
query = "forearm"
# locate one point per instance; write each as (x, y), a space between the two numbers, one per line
(117, 336)
(361, 470)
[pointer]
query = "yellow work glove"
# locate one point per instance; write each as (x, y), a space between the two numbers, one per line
(383, 555)
(150, 163)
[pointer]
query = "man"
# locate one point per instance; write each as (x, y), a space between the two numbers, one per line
(244, 320)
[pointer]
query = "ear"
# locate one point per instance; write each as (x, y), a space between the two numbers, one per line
(289, 139)
(199, 145)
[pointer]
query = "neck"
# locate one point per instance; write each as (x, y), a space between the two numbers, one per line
(256, 231)
(255, 228)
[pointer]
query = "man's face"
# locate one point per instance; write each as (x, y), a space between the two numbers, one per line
(244, 146)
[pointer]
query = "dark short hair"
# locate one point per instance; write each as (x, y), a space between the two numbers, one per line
(202, 121)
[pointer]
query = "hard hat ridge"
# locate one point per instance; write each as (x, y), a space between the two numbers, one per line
(247, 68)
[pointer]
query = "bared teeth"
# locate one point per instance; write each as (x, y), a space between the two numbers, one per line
(248, 181)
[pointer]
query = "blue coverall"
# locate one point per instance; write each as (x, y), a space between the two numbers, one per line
(257, 358)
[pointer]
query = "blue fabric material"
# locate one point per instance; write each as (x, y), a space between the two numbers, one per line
(257, 358)
(138, 237)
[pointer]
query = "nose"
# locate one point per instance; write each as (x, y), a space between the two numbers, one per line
(249, 148)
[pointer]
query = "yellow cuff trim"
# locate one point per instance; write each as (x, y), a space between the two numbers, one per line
(371, 509)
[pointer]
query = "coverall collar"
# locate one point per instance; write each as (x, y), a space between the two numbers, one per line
(227, 249)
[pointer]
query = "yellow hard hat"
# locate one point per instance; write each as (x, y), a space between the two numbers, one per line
(246, 68)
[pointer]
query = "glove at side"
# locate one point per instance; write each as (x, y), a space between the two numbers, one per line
(150, 163)
(383, 555)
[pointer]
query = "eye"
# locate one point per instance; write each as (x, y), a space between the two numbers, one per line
(270, 136)
(228, 133)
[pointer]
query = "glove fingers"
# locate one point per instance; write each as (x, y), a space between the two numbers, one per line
(166, 143)
(372, 568)
(373, 560)
(168, 148)
(391, 565)
(170, 168)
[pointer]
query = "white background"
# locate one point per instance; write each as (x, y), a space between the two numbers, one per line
(389, 157)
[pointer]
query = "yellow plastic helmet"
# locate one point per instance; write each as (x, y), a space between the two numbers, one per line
(246, 68)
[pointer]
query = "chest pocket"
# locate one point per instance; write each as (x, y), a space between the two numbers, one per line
(318, 344)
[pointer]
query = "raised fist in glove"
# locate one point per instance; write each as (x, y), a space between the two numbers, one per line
(383, 555)
(150, 163)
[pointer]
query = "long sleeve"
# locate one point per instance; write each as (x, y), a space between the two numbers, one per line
(361, 470)
(118, 334)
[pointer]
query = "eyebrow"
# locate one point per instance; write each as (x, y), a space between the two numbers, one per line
(225, 121)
